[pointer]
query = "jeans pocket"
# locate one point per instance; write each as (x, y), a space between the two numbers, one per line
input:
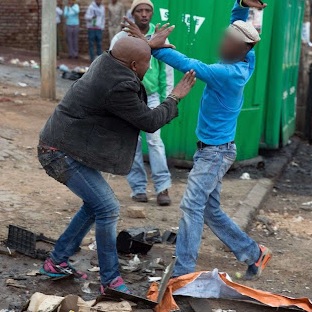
(56, 165)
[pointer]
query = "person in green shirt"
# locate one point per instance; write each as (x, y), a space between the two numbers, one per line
(158, 82)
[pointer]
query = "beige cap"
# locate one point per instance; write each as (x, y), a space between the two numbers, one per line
(135, 3)
(244, 31)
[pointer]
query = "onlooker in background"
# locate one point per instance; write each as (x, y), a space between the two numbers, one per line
(59, 31)
(95, 17)
(116, 11)
(71, 14)
(158, 83)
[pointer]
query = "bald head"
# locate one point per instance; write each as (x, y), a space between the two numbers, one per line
(134, 53)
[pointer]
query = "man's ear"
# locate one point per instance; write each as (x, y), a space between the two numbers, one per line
(133, 66)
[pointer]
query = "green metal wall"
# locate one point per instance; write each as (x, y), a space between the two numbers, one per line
(280, 108)
(199, 27)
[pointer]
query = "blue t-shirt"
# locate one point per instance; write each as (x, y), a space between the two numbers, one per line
(71, 15)
(223, 97)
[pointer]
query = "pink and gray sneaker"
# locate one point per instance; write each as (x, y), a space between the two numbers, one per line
(117, 284)
(60, 270)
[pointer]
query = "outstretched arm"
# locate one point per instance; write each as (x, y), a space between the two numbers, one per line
(210, 74)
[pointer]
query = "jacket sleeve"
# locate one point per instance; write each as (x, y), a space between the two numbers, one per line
(210, 74)
(239, 12)
(89, 14)
(166, 80)
(125, 103)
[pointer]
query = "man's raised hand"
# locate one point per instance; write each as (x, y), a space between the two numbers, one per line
(157, 41)
(258, 4)
(185, 85)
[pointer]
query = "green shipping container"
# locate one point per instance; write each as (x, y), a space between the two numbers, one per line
(280, 108)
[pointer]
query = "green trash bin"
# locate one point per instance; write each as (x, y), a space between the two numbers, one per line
(199, 28)
(280, 107)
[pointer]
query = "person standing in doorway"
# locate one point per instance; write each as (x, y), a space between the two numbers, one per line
(116, 11)
(95, 17)
(59, 30)
(158, 82)
(71, 14)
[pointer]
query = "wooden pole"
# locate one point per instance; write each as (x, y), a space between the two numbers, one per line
(48, 49)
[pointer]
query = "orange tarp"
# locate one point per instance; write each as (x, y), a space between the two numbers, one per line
(168, 303)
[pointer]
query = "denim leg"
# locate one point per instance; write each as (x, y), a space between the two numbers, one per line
(202, 180)
(244, 248)
(91, 43)
(75, 40)
(69, 39)
(101, 205)
(137, 177)
(98, 41)
(157, 154)
(158, 161)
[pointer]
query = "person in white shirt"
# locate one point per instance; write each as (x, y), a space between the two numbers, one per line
(59, 31)
(95, 17)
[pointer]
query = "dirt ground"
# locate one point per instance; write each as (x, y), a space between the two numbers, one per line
(29, 198)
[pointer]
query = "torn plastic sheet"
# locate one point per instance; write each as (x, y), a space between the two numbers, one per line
(220, 286)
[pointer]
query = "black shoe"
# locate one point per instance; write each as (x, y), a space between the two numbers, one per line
(163, 198)
(140, 198)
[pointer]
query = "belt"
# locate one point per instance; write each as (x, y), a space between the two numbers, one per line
(202, 145)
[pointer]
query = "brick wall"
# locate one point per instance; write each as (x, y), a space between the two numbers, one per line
(20, 22)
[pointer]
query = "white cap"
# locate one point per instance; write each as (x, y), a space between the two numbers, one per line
(244, 31)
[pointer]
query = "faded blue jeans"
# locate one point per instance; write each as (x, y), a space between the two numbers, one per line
(95, 37)
(201, 205)
(137, 178)
(100, 206)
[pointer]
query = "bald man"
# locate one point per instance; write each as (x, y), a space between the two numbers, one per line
(95, 128)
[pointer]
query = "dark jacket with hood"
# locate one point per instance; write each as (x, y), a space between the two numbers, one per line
(98, 121)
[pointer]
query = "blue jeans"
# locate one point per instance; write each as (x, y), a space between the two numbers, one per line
(95, 36)
(201, 205)
(137, 178)
(100, 206)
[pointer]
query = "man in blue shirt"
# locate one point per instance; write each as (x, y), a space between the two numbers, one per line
(220, 106)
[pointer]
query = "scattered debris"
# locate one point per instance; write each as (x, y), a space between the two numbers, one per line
(25, 242)
(137, 212)
(85, 288)
(22, 84)
(298, 219)
(169, 237)
(48, 303)
(94, 269)
(33, 273)
(245, 176)
(63, 68)
(7, 251)
(13, 283)
(137, 240)
(307, 203)
(152, 279)
(92, 246)
(267, 223)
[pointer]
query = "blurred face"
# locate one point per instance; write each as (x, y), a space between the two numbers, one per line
(98, 2)
(233, 50)
(142, 15)
(71, 2)
(59, 2)
(141, 67)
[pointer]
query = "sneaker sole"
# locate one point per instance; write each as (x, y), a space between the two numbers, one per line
(53, 275)
(267, 256)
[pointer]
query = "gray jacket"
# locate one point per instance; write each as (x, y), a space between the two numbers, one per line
(98, 121)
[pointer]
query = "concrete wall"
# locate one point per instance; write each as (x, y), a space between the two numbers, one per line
(20, 23)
